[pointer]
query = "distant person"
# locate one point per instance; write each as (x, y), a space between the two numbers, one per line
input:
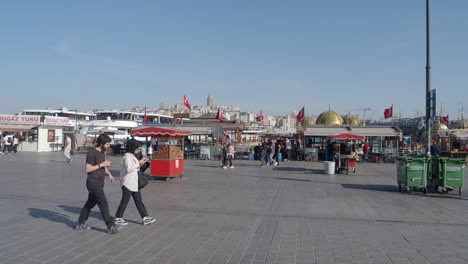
(16, 140)
(224, 156)
(277, 156)
(229, 156)
(365, 150)
(97, 167)
(129, 170)
(263, 154)
(7, 144)
(288, 149)
(271, 153)
(67, 149)
(435, 149)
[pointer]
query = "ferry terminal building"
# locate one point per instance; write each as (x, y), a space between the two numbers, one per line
(39, 134)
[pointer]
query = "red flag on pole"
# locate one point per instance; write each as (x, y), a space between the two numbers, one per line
(388, 112)
(445, 118)
(260, 117)
(300, 116)
(145, 119)
(219, 116)
(186, 103)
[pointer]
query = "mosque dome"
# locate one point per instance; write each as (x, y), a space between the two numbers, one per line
(353, 121)
(441, 126)
(329, 118)
(309, 121)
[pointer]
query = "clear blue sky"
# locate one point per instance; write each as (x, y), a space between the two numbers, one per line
(265, 55)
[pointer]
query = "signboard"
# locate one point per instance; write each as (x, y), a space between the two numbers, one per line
(20, 119)
(51, 135)
(181, 115)
(33, 120)
(55, 121)
(205, 152)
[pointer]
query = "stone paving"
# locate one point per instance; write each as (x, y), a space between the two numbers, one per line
(290, 214)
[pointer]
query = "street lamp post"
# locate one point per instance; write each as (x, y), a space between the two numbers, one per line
(428, 82)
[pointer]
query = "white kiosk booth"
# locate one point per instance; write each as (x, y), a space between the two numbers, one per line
(38, 134)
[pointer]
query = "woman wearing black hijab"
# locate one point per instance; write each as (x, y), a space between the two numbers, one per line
(129, 180)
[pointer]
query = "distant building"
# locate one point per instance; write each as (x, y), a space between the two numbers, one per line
(210, 101)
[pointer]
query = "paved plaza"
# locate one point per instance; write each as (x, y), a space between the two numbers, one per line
(290, 214)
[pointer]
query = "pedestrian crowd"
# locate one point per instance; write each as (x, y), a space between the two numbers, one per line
(9, 143)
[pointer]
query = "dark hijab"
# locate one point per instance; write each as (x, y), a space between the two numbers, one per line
(132, 145)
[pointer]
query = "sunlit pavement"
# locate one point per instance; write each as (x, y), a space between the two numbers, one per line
(289, 214)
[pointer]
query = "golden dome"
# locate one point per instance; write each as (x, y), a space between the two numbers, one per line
(441, 126)
(329, 118)
(309, 121)
(353, 121)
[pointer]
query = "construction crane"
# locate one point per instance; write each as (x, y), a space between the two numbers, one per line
(364, 115)
(364, 110)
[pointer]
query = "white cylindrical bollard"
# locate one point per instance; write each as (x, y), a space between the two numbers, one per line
(329, 167)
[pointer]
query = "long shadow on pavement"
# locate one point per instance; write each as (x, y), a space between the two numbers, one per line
(372, 187)
(305, 170)
(52, 216)
(77, 210)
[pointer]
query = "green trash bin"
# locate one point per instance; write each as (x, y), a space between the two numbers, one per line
(448, 174)
(413, 172)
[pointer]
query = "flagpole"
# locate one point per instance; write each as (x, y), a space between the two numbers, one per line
(428, 81)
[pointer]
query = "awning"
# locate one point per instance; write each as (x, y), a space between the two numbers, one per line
(347, 136)
(149, 131)
(16, 128)
(460, 135)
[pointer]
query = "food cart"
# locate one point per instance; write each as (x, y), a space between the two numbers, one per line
(168, 160)
(345, 162)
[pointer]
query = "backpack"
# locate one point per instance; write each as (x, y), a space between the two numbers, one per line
(9, 140)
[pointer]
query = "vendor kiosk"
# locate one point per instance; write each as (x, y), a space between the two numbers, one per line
(345, 162)
(168, 160)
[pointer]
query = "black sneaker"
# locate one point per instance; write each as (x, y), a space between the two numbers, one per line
(113, 229)
(82, 227)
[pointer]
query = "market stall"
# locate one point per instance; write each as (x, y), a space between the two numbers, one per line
(345, 159)
(168, 159)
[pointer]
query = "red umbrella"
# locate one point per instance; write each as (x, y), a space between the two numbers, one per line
(152, 131)
(347, 136)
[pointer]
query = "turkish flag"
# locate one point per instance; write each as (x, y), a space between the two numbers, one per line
(145, 119)
(388, 112)
(445, 118)
(219, 116)
(260, 117)
(300, 116)
(186, 103)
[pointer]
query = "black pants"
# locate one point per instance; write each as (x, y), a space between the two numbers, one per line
(126, 193)
(6, 148)
(96, 196)
(229, 160)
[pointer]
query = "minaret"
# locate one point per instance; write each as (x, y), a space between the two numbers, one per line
(210, 101)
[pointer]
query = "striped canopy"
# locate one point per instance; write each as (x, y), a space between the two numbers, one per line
(347, 136)
(154, 131)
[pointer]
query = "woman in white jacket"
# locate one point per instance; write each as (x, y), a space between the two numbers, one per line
(129, 180)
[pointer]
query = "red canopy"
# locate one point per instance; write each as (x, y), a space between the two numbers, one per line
(152, 131)
(347, 136)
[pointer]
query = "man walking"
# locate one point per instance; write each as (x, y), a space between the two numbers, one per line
(365, 150)
(97, 167)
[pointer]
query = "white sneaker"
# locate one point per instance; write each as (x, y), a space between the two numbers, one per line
(224, 167)
(231, 167)
(148, 220)
(276, 164)
(120, 221)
